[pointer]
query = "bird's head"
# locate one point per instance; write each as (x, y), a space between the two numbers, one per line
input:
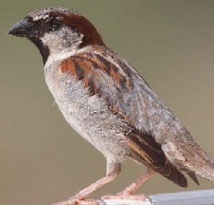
(57, 29)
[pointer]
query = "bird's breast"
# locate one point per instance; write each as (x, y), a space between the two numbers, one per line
(88, 114)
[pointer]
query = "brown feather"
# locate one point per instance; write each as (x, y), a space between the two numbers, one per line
(106, 80)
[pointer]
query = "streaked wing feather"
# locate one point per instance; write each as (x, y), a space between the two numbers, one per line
(148, 152)
(128, 96)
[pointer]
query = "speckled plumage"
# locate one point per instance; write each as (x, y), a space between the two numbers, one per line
(108, 103)
(88, 114)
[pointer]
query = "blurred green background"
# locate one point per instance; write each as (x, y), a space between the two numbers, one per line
(171, 43)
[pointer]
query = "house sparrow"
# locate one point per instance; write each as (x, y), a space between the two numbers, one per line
(109, 104)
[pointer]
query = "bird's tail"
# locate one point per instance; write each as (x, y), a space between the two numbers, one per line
(204, 166)
(145, 150)
(197, 161)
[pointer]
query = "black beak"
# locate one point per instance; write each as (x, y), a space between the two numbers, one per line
(21, 29)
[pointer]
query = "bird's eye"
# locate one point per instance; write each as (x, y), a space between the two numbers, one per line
(53, 23)
(73, 28)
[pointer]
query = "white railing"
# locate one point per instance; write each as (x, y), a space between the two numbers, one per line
(203, 197)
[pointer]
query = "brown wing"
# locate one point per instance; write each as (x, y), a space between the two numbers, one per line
(128, 95)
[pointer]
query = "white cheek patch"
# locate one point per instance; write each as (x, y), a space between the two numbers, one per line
(52, 41)
(61, 40)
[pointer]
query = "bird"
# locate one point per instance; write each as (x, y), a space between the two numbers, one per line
(106, 101)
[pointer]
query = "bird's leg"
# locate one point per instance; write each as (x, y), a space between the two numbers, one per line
(128, 191)
(134, 186)
(113, 170)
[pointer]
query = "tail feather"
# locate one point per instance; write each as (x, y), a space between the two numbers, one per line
(191, 159)
(147, 151)
(193, 177)
(207, 169)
